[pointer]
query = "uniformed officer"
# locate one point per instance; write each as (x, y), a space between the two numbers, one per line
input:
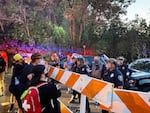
(113, 75)
(124, 69)
(82, 68)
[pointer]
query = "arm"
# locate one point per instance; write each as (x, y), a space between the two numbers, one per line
(119, 80)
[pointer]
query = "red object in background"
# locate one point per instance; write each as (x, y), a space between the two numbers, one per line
(5, 57)
(88, 52)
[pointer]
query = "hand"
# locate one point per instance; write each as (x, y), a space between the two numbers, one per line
(29, 76)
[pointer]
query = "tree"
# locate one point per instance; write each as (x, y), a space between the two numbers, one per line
(99, 12)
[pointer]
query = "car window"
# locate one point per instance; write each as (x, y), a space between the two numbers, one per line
(141, 65)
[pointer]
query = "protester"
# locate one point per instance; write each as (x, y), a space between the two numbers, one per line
(48, 92)
(68, 63)
(113, 75)
(2, 75)
(16, 86)
(55, 61)
(27, 71)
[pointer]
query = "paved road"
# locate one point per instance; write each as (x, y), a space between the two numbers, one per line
(4, 100)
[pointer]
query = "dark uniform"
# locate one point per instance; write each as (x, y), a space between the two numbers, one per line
(126, 72)
(114, 76)
(83, 70)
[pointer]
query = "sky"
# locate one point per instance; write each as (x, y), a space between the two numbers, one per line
(140, 7)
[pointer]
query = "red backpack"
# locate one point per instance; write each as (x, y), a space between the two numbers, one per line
(31, 100)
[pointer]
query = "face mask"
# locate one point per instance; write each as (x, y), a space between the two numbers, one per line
(41, 62)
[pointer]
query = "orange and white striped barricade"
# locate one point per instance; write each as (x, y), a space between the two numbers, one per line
(95, 89)
(125, 101)
(63, 108)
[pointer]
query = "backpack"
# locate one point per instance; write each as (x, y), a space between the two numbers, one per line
(31, 100)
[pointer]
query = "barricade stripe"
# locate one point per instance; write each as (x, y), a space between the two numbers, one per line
(72, 80)
(105, 96)
(59, 75)
(81, 83)
(104, 107)
(138, 106)
(145, 97)
(64, 108)
(51, 70)
(93, 88)
(55, 72)
(65, 77)
(118, 106)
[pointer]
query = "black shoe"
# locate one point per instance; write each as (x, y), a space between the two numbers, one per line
(11, 108)
(88, 111)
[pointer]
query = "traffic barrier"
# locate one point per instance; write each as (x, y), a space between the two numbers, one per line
(100, 91)
(63, 108)
(125, 101)
(111, 99)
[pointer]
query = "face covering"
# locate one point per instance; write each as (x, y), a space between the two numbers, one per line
(41, 62)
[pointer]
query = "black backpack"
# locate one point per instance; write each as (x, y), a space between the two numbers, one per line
(2, 65)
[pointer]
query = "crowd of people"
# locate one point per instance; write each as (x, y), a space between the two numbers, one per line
(25, 76)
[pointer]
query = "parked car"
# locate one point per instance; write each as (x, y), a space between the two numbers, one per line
(140, 77)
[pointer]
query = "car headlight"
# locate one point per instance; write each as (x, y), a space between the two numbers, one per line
(132, 83)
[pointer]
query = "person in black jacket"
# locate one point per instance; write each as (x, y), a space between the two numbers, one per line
(48, 92)
(16, 86)
(123, 67)
(27, 71)
(113, 75)
(83, 69)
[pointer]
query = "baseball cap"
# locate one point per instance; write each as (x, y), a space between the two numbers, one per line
(17, 57)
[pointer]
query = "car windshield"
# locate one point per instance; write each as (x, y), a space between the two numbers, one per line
(141, 65)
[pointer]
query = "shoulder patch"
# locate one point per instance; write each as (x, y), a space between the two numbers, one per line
(112, 75)
(83, 69)
(123, 68)
(120, 78)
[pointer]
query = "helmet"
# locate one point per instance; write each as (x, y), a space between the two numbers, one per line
(17, 57)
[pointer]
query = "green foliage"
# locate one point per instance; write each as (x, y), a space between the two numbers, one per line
(60, 35)
(64, 23)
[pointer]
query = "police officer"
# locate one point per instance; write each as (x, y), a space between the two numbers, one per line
(124, 69)
(113, 75)
(82, 68)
